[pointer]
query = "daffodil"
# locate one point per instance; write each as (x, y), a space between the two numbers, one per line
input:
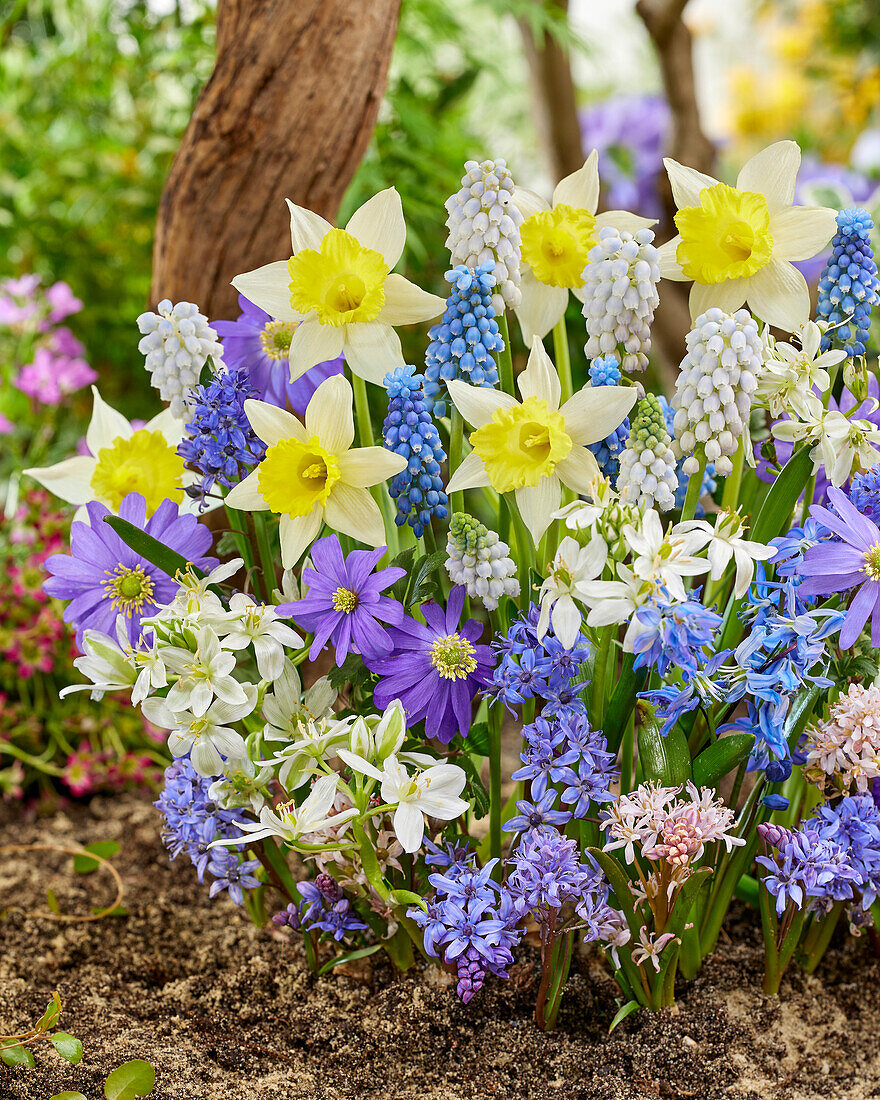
(737, 244)
(123, 460)
(531, 448)
(556, 240)
(310, 474)
(337, 289)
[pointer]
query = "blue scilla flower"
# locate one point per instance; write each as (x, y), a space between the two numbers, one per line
(673, 634)
(409, 431)
(325, 908)
(709, 483)
(466, 339)
(848, 289)
(222, 446)
(864, 492)
(605, 371)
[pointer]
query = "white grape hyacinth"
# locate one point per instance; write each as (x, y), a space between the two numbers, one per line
(479, 560)
(647, 464)
(713, 391)
(620, 295)
(483, 226)
(177, 342)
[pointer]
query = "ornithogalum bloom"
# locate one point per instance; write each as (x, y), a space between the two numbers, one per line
(344, 602)
(104, 578)
(435, 669)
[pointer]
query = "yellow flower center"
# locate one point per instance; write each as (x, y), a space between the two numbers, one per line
(295, 476)
(345, 600)
(454, 657)
(146, 464)
(555, 244)
(129, 589)
(726, 237)
(521, 445)
(872, 562)
(341, 284)
(276, 337)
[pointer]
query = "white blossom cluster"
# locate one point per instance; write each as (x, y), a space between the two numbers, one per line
(647, 464)
(620, 295)
(713, 392)
(479, 560)
(483, 226)
(177, 342)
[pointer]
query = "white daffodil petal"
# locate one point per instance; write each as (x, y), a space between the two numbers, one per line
(168, 425)
(246, 495)
(686, 183)
(297, 533)
(313, 343)
(540, 379)
(106, 424)
(307, 229)
(594, 412)
(478, 404)
(581, 188)
(354, 512)
(71, 480)
(728, 296)
(669, 265)
(268, 287)
(407, 304)
(529, 202)
(273, 424)
(578, 470)
(367, 466)
(623, 220)
(329, 415)
(541, 306)
(537, 503)
(779, 295)
(800, 232)
(372, 349)
(379, 225)
(471, 474)
(773, 173)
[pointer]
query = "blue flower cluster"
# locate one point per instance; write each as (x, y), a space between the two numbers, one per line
(222, 446)
(533, 669)
(709, 483)
(605, 371)
(701, 686)
(325, 908)
(674, 634)
(864, 492)
(409, 431)
(472, 921)
(464, 342)
(849, 287)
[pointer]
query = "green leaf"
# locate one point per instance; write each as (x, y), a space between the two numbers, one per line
(17, 1056)
(67, 1096)
(423, 582)
(406, 897)
(477, 740)
(118, 911)
(747, 890)
(351, 671)
(130, 1080)
(403, 560)
(719, 759)
(106, 849)
(350, 956)
(52, 901)
(53, 1010)
(168, 560)
(621, 1014)
(665, 759)
(478, 787)
(623, 700)
(68, 1046)
(779, 503)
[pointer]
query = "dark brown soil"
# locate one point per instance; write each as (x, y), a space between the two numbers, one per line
(225, 1011)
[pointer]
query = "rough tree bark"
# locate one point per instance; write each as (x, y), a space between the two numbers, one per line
(288, 113)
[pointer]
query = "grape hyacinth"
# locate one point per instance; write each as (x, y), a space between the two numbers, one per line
(647, 465)
(605, 371)
(483, 226)
(410, 432)
(463, 343)
(713, 391)
(222, 446)
(864, 492)
(849, 287)
(709, 483)
(177, 342)
(479, 560)
(620, 295)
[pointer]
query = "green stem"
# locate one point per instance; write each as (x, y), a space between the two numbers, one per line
(819, 936)
(733, 481)
(695, 483)
(769, 928)
(366, 439)
(456, 439)
(496, 715)
(505, 360)
(267, 557)
(561, 967)
(600, 673)
(563, 359)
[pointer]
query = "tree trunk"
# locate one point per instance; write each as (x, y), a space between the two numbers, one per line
(288, 113)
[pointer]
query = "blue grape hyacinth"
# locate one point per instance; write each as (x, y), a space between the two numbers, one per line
(605, 371)
(849, 286)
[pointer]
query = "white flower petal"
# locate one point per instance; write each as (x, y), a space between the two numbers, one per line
(471, 474)
(728, 296)
(353, 512)
(537, 503)
(298, 533)
(71, 480)
(623, 220)
(669, 265)
(595, 411)
(578, 470)
(540, 379)
(369, 465)
(269, 288)
(246, 495)
(409, 826)
(106, 425)
(379, 225)
(372, 349)
(541, 306)
(686, 183)
(407, 304)
(313, 343)
(529, 202)
(581, 188)
(772, 172)
(477, 404)
(168, 425)
(779, 295)
(307, 229)
(800, 232)
(273, 424)
(329, 415)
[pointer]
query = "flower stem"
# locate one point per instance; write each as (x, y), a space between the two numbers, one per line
(695, 483)
(496, 716)
(733, 481)
(366, 438)
(505, 360)
(456, 439)
(819, 936)
(563, 359)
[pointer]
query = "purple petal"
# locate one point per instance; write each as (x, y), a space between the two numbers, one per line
(861, 607)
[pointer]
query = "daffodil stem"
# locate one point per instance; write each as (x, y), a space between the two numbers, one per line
(525, 550)
(505, 360)
(496, 715)
(267, 559)
(563, 359)
(695, 483)
(365, 437)
(456, 438)
(733, 482)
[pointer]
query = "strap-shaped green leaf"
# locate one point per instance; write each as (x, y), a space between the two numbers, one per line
(720, 759)
(620, 884)
(168, 560)
(666, 759)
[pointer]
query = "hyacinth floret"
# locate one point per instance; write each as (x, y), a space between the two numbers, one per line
(864, 492)
(620, 295)
(809, 869)
(177, 342)
(605, 371)
(478, 559)
(410, 431)
(846, 746)
(647, 464)
(673, 633)
(709, 483)
(713, 391)
(849, 287)
(221, 444)
(465, 341)
(483, 226)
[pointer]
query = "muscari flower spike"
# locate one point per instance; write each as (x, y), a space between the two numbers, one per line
(177, 342)
(709, 483)
(410, 432)
(463, 343)
(647, 464)
(605, 371)
(479, 560)
(849, 287)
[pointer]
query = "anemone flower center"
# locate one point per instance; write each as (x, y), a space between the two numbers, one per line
(872, 562)
(129, 589)
(276, 337)
(454, 657)
(345, 600)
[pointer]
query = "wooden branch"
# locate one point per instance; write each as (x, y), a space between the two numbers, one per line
(287, 113)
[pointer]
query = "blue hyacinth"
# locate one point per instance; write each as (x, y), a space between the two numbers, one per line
(223, 446)
(464, 342)
(409, 431)
(605, 371)
(849, 286)
(864, 492)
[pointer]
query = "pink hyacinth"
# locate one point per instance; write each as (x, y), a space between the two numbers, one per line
(848, 743)
(50, 378)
